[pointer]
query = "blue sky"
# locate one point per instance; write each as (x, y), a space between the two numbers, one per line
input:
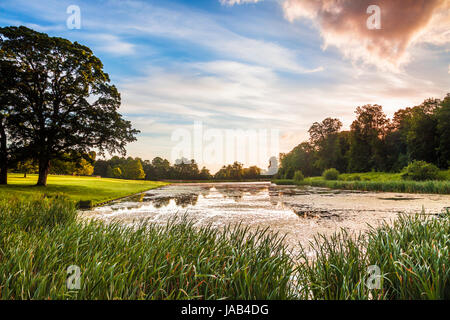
(268, 64)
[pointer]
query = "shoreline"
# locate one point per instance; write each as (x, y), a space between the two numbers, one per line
(413, 187)
(82, 208)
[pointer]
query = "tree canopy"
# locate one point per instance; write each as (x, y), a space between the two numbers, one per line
(375, 142)
(63, 101)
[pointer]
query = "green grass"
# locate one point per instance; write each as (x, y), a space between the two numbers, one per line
(40, 239)
(376, 181)
(413, 255)
(97, 190)
(371, 176)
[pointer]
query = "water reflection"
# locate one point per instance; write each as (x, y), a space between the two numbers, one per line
(161, 202)
(159, 199)
(299, 212)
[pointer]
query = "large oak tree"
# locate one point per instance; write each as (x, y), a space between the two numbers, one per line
(63, 100)
(7, 80)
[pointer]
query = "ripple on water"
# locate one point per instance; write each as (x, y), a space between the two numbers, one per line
(298, 212)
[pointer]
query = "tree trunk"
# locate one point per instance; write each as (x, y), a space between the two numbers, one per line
(3, 156)
(25, 175)
(44, 167)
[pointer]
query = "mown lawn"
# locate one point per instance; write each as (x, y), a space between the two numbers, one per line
(93, 189)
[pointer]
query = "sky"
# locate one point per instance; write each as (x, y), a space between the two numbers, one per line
(271, 66)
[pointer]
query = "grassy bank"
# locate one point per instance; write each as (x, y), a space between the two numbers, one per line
(376, 181)
(93, 189)
(40, 239)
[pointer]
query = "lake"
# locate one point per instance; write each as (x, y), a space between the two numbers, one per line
(297, 212)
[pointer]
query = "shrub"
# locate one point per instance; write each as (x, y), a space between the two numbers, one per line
(331, 174)
(117, 172)
(421, 171)
(85, 204)
(298, 176)
(289, 173)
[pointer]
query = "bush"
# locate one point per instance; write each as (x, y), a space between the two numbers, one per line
(117, 172)
(421, 171)
(85, 204)
(331, 174)
(289, 174)
(298, 176)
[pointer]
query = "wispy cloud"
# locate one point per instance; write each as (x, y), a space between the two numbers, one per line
(228, 94)
(233, 2)
(112, 44)
(204, 31)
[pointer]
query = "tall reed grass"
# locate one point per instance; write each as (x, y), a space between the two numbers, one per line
(433, 187)
(41, 238)
(413, 255)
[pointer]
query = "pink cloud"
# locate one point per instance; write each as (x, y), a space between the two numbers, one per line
(343, 23)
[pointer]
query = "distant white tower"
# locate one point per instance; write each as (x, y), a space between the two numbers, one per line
(273, 167)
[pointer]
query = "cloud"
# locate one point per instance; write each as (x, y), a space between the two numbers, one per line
(233, 2)
(112, 44)
(206, 32)
(403, 23)
(178, 24)
(232, 95)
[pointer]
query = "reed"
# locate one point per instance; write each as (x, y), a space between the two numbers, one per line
(413, 255)
(41, 238)
(432, 187)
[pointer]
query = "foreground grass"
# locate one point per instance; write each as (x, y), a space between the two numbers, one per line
(40, 239)
(93, 189)
(376, 181)
(413, 255)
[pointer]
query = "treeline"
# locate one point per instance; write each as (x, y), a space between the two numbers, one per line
(82, 165)
(374, 142)
(162, 169)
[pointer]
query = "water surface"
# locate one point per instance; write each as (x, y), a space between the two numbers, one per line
(298, 212)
